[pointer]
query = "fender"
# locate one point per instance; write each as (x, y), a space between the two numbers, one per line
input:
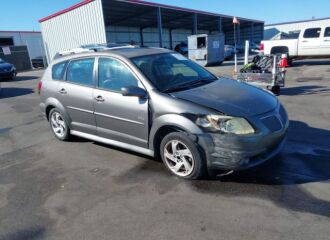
(55, 103)
(172, 120)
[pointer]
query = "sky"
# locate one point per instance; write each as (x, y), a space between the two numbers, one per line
(24, 14)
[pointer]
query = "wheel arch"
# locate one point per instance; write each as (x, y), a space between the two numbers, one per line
(170, 123)
(279, 50)
(54, 103)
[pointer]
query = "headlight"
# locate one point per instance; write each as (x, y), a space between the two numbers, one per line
(225, 124)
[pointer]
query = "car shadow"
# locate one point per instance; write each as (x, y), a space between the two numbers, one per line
(27, 233)
(232, 63)
(14, 92)
(19, 78)
(304, 90)
(310, 62)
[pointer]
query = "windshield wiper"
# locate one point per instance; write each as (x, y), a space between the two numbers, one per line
(188, 85)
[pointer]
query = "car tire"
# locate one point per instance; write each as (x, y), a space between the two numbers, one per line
(59, 125)
(13, 77)
(276, 90)
(181, 155)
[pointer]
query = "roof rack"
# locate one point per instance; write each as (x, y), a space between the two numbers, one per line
(93, 48)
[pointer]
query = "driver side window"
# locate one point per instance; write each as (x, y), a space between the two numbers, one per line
(114, 75)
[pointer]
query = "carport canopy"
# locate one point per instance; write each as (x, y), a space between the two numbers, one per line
(143, 14)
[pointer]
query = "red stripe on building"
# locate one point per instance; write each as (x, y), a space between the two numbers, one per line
(66, 10)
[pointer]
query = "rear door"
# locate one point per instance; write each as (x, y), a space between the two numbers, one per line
(310, 42)
(118, 117)
(325, 42)
(76, 94)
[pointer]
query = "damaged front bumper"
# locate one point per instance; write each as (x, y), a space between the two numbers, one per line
(234, 152)
(241, 153)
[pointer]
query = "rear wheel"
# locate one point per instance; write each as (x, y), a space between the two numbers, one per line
(58, 125)
(182, 156)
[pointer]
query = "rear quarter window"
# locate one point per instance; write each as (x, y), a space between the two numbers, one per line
(58, 70)
(327, 32)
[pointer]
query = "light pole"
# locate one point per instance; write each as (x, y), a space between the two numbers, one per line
(235, 21)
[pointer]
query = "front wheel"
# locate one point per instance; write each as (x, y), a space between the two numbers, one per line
(182, 156)
(13, 76)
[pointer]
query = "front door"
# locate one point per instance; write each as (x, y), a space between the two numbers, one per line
(309, 43)
(76, 94)
(118, 117)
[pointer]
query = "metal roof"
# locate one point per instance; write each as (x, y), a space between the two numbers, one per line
(301, 21)
(142, 14)
(140, 2)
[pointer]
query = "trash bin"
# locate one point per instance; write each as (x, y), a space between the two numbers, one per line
(206, 49)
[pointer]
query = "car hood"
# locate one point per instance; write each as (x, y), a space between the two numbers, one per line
(5, 65)
(231, 98)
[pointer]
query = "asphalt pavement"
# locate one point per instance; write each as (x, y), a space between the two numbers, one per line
(86, 190)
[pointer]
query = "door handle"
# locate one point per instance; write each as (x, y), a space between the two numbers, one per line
(326, 40)
(62, 91)
(99, 99)
(304, 41)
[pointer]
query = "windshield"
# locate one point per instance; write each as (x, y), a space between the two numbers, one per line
(171, 72)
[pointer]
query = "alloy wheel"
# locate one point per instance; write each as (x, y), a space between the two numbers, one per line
(179, 158)
(58, 125)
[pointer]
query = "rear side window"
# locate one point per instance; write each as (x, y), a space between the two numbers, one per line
(312, 33)
(58, 70)
(81, 71)
(327, 32)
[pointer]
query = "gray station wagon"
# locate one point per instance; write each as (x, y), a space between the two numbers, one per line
(158, 103)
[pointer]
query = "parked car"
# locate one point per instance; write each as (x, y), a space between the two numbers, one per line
(240, 48)
(7, 70)
(254, 47)
(311, 42)
(229, 51)
(159, 103)
(182, 48)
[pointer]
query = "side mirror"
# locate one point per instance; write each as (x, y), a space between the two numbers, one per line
(132, 91)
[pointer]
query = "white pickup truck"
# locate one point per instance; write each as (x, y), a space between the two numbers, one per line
(311, 42)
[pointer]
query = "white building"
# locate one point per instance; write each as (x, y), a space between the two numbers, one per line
(278, 30)
(31, 39)
(145, 23)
